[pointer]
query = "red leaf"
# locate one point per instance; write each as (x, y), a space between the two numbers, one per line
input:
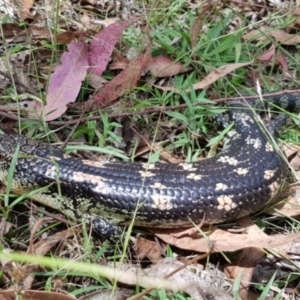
(126, 80)
(66, 80)
(102, 46)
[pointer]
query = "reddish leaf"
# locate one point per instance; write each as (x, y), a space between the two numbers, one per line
(163, 66)
(126, 80)
(102, 46)
(66, 80)
(68, 36)
(268, 55)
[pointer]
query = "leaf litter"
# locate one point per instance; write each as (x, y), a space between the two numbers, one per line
(65, 84)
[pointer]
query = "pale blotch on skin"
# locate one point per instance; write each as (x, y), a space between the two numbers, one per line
(274, 186)
(241, 171)
(229, 160)
(221, 187)
(194, 176)
(158, 185)
(255, 142)
(51, 172)
(162, 202)
(91, 163)
(55, 158)
(82, 177)
(268, 174)
(187, 167)
(225, 203)
(148, 166)
(146, 174)
(269, 147)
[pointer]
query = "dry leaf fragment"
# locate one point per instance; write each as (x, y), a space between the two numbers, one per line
(163, 66)
(5, 226)
(150, 249)
(220, 240)
(35, 295)
(23, 9)
(205, 286)
(243, 268)
(280, 36)
(210, 78)
(123, 82)
(289, 207)
(197, 25)
(68, 36)
(10, 31)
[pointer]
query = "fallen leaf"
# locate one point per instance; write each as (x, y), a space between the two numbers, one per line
(10, 31)
(218, 240)
(96, 82)
(37, 32)
(42, 247)
(279, 59)
(65, 82)
(150, 249)
(102, 46)
(68, 36)
(268, 56)
(280, 36)
(289, 207)
(210, 78)
(24, 8)
(208, 284)
(163, 66)
(243, 268)
(197, 25)
(123, 82)
(35, 295)
(295, 162)
(290, 150)
(5, 226)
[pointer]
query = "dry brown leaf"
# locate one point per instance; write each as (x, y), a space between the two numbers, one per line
(96, 82)
(163, 66)
(290, 150)
(123, 82)
(289, 207)
(150, 249)
(35, 295)
(219, 240)
(243, 268)
(181, 277)
(68, 36)
(280, 36)
(5, 226)
(38, 32)
(24, 10)
(10, 31)
(295, 162)
(197, 25)
(44, 246)
(210, 78)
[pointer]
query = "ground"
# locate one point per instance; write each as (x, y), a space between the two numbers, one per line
(140, 80)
